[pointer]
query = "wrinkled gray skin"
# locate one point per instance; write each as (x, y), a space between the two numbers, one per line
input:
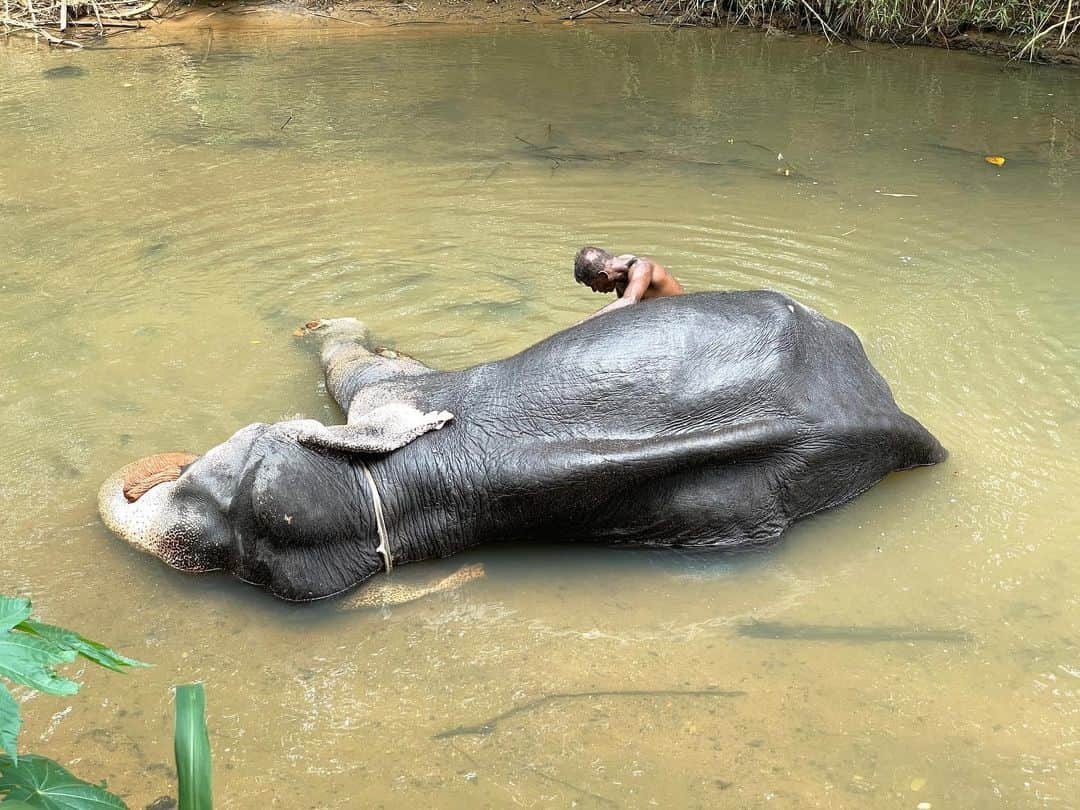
(710, 420)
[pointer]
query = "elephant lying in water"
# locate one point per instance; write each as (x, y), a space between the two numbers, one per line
(708, 420)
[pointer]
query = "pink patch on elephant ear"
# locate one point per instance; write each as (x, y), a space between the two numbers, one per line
(142, 475)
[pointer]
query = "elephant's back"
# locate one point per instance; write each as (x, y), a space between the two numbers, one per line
(683, 364)
(671, 365)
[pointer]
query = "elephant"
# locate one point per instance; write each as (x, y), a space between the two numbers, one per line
(707, 421)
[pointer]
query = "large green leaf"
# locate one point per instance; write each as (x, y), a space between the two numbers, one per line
(13, 609)
(70, 640)
(30, 660)
(192, 745)
(44, 785)
(9, 722)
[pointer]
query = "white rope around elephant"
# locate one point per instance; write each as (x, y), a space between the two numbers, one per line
(380, 522)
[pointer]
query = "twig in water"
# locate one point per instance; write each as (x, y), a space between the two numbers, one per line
(532, 145)
(488, 726)
(287, 120)
(581, 790)
(139, 47)
(593, 7)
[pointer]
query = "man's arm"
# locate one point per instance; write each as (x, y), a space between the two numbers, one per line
(638, 281)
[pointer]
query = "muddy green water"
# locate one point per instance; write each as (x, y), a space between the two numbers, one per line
(169, 216)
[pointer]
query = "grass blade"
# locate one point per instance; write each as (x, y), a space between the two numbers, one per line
(192, 744)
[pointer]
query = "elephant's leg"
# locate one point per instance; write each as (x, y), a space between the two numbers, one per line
(351, 367)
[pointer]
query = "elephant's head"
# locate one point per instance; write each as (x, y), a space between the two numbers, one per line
(176, 505)
(286, 506)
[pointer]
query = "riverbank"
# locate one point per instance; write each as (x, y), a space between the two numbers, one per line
(1044, 33)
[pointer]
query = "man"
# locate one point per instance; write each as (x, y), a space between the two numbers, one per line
(633, 278)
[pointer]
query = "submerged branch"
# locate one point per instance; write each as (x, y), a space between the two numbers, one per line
(827, 632)
(595, 796)
(488, 726)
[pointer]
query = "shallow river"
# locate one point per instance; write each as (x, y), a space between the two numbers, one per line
(170, 215)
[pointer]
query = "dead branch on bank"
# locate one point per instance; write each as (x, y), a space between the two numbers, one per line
(51, 18)
(1036, 27)
(589, 10)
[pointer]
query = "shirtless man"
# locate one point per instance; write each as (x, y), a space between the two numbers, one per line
(633, 278)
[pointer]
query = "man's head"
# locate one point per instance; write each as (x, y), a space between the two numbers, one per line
(592, 267)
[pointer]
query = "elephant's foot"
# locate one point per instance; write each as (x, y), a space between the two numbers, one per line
(351, 366)
(335, 334)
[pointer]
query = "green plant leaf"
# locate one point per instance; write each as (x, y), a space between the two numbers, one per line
(10, 721)
(70, 640)
(30, 660)
(13, 609)
(192, 743)
(44, 785)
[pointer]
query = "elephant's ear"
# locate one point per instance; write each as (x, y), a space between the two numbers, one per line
(380, 430)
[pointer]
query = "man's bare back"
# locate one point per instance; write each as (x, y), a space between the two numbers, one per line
(632, 278)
